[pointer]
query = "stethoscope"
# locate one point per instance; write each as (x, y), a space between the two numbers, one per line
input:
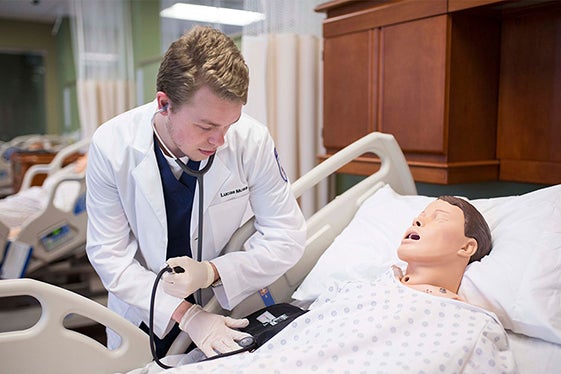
(194, 173)
(199, 175)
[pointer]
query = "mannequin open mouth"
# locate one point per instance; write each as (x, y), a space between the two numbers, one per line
(413, 236)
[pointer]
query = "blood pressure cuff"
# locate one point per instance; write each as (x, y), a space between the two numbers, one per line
(267, 322)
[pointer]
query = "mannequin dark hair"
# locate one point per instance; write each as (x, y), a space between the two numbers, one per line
(475, 226)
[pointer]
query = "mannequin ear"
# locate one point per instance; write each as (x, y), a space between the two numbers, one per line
(469, 248)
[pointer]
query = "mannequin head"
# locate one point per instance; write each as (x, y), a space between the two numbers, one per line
(442, 240)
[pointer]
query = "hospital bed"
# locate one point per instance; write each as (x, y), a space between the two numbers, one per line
(54, 232)
(350, 237)
(50, 143)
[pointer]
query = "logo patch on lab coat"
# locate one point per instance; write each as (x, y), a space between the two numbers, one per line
(281, 170)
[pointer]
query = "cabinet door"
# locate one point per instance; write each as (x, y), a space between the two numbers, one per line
(413, 84)
(349, 75)
(529, 130)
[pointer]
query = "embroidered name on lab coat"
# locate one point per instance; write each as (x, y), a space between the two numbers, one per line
(233, 192)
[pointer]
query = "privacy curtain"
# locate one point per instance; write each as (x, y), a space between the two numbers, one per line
(284, 57)
(101, 37)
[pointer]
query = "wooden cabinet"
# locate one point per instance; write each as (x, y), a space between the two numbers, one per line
(348, 92)
(433, 73)
(529, 125)
(413, 84)
(21, 161)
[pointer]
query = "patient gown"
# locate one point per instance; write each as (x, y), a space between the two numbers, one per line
(378, 326)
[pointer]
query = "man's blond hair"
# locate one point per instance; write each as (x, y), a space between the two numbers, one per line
(203, 56)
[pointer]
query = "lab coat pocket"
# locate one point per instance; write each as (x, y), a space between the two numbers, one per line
(226, 218)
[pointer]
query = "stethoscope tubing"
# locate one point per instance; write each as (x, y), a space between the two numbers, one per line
(199, 175)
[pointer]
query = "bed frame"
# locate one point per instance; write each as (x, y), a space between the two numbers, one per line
(22, 142)
(49, 347)
(54, 233)
(323, 227)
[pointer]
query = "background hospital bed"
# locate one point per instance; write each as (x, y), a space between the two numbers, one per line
(323, 228)
(49, 143)
(53, 234)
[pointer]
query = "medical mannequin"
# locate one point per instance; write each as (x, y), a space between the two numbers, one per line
(448, 235)
(143, 209)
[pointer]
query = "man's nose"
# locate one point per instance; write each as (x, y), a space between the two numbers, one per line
(216, 139)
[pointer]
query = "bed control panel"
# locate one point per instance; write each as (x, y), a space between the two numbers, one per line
(52, 239)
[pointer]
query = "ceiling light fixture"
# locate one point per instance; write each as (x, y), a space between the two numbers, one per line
(211, 14)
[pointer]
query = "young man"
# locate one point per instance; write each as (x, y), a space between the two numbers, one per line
(143, 207)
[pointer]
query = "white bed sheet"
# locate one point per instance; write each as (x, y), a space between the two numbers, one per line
(24, 206)
(535, 355)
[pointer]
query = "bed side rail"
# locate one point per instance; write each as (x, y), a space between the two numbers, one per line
(393, 171)
(56, 233)
(63, 350)
(55, 164)
(327, 223)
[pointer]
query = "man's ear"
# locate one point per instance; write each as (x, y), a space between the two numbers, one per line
(163, 101)
(469, 248)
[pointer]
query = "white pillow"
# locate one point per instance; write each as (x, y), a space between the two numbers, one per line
(367, 245)
(520, 280)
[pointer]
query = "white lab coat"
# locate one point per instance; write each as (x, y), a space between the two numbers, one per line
(127, 232)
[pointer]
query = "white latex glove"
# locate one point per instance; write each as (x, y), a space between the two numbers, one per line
(212, 333)
(196, 275)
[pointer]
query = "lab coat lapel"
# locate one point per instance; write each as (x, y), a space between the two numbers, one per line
(147, 180)
(150, 203)
(213, 180)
